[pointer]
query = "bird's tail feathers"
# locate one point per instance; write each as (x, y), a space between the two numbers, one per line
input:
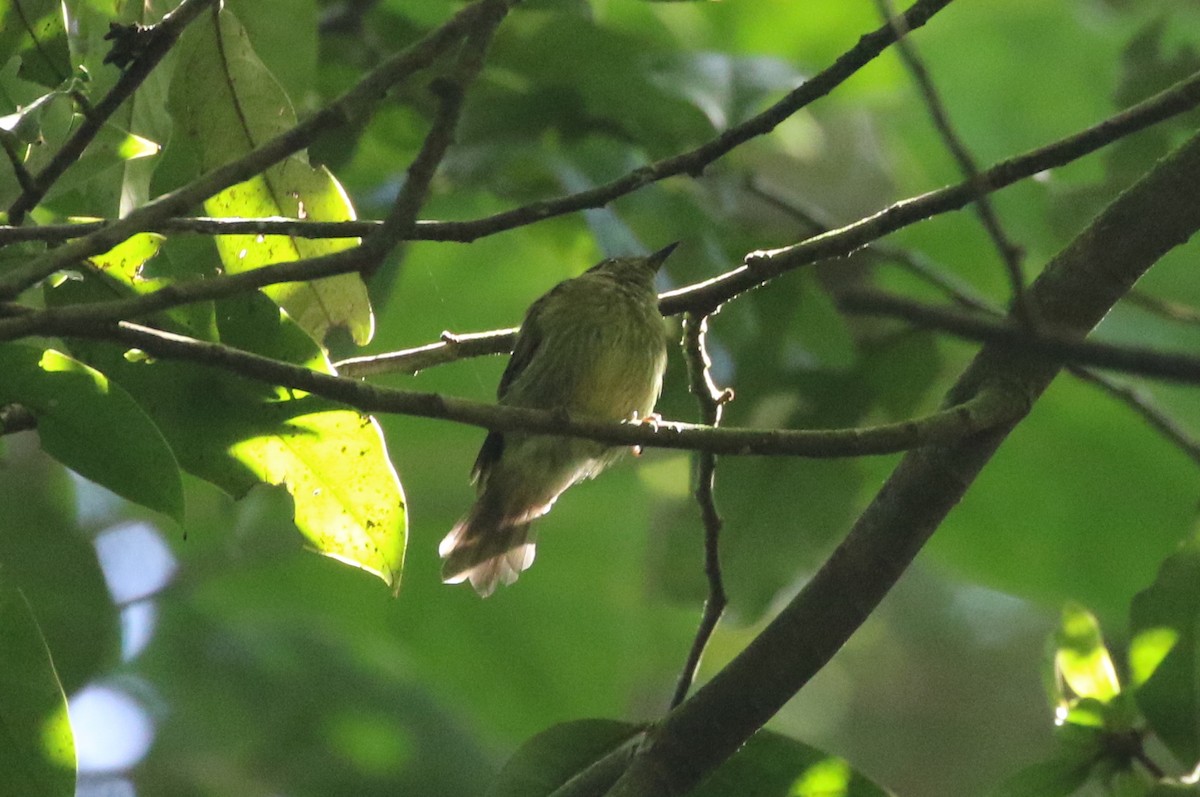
(486, 551)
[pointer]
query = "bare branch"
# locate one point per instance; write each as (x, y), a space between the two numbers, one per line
(450, 348)
(1163, 308)
(757, 269)
(1141, 403)
(712, 401)
(1047, 345)
(450, 91)
(969, 418)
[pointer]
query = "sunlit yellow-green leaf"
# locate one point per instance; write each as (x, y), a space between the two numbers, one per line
(131, 147)
(348, 498)
(1147, 650)
(1081, 657)
(125, 260)
(226, 102)
(827, 778)
(37, 747)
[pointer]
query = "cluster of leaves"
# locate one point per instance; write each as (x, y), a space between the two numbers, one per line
(574, 94)
(1106, 730)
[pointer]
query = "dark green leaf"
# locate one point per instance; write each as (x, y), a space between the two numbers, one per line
(1163, 620)
(34, 31)
(547, 761)
(1056, 777)
(774, 765)
(93, 426)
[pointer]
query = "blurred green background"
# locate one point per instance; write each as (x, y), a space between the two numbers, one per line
(220, 658)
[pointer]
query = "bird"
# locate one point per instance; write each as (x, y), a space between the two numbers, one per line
(595, 346)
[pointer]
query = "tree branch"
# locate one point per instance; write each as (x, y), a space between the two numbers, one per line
(712, 401)
(1010, 253)
(970, 418)
(1055, 346)
(449, 349)
(1159, 212)
(963, 295)
(762, 266)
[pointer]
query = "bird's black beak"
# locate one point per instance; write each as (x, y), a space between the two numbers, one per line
(658, 258)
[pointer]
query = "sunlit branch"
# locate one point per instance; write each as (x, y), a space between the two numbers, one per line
(449, 349)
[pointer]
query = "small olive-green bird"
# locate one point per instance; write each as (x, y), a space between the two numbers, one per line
(592, 346)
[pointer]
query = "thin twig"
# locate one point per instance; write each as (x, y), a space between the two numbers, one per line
(1138, 401)
(913, 262)
(1010, 254)
(1163, 308)
(449, 349)
(1152, 363)
(24, 178)
(158, 43)
(971, 417)
(712, 401)
(450, 90)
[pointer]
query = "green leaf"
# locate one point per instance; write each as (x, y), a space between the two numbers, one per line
(237, 432)
(551, 758)
(1163, 620)
(37, 748)
(774, 765)
(226, 102)
(1081, 659)
(347, 495)
(1174, 789)
(127, 264)
(34, 30)
(1056, 777)
(93, 426)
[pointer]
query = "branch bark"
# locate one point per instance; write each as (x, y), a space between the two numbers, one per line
(1080, 285)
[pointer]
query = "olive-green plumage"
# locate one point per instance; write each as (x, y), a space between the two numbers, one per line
(593, 346)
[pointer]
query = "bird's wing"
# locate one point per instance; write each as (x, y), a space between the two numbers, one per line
(529, 340)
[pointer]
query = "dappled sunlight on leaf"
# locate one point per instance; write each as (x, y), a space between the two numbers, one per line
(348, 499)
